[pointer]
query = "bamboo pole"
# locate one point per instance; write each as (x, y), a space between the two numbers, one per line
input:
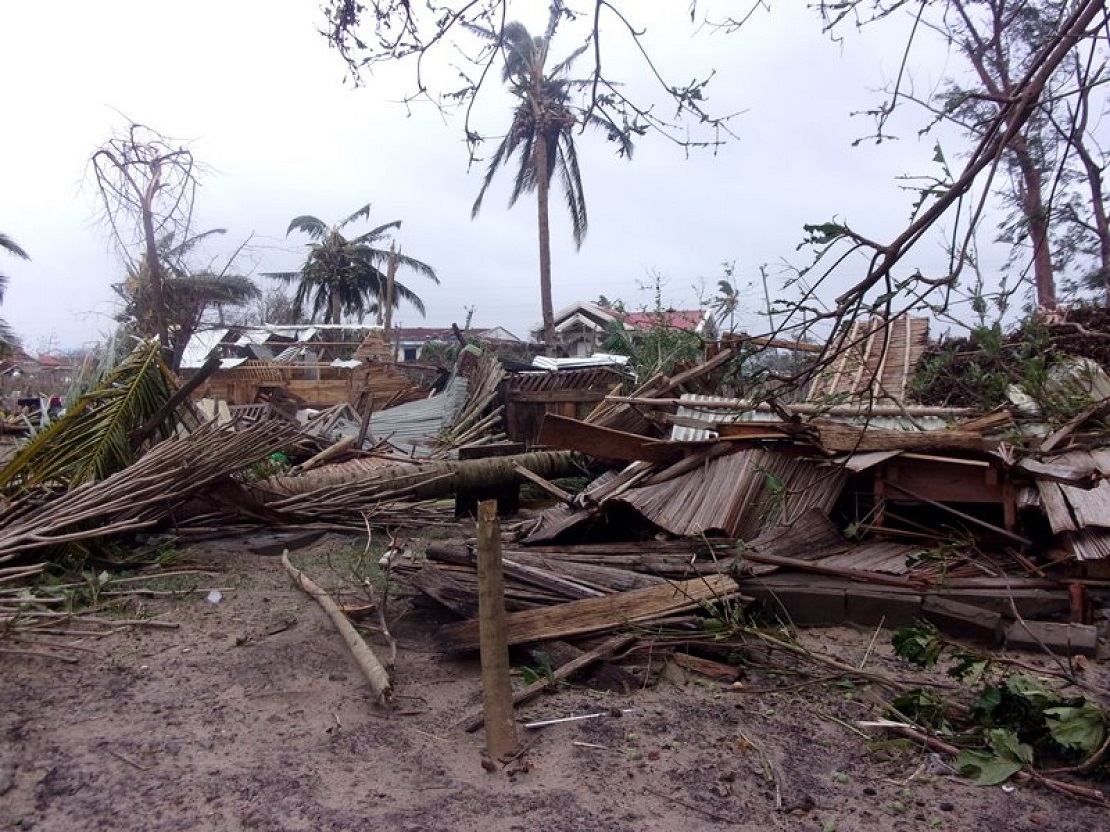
(375, 673)
(497, 689)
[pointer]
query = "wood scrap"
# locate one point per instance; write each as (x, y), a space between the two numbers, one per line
(595, 615)
(329, 453)
(719, 671)
(607, 443)
(372, 669)
(563, 672)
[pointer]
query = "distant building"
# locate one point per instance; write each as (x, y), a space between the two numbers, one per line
(581, 327)
(409, 342)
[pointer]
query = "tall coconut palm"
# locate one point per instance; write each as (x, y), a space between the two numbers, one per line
(542, 136)
(8, 340)
(349, 276)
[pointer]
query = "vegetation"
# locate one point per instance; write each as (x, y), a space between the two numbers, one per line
(189, 293)
(1016, 721)
(344, 276)
(102, 432)
(146, 186)
(542, 136)
(8, 340)
(978, 371)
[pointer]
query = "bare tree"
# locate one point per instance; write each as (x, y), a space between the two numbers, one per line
(146, 185)
(1048, 149)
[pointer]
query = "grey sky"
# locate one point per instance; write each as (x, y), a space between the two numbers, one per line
(254, 90)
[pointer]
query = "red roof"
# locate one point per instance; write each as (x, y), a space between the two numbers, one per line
(687, 319)
(51, 362)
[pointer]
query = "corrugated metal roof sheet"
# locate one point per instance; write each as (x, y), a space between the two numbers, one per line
(412, 427)
(746, 412)
(737, 495)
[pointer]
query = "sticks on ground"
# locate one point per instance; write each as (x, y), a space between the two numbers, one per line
(375, 673)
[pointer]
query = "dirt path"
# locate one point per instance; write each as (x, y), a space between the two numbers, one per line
(251, 715)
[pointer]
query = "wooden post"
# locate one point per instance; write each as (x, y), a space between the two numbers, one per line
(497, 689)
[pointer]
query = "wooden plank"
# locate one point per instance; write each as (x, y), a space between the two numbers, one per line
(1090, 507)
(1056, 507)
(1024, 541)
(557, 396)
(943, 481)
(707, 667)
(838, 437)
(595, 615)
(606, 443)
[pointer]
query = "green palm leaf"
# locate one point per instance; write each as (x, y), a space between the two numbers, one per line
(93, 440)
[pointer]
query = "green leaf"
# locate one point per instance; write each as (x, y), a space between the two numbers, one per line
(968, 667)
(1006, 745)
(824, 233)
(987, 769)
(1081, 727)
(1032, 690)
(918, 645)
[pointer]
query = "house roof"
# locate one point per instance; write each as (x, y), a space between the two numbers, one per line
(51, 362)
(874, 357)
(690, 320)
(420, 334)
(592, 316)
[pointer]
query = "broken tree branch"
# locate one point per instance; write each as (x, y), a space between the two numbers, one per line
(375, 673)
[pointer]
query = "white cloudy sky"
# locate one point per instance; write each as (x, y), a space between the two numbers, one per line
(259, 97)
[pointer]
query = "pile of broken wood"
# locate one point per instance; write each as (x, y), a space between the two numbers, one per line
(809, 517)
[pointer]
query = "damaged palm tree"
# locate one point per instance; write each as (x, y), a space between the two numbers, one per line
(134, 405)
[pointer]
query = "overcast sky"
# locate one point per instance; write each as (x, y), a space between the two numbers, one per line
(258, 96)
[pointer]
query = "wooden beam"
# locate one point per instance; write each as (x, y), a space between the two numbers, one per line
(606, 443)
(595, 615)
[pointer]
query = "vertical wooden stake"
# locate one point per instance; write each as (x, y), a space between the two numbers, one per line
(497, 688)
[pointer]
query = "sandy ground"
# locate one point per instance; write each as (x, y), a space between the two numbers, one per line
(252, 715)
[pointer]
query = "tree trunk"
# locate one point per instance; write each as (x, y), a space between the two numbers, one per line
(390, 288)
(543, 186)
(1031, 198)
(154, 261)
(334, 311)
(429, 480)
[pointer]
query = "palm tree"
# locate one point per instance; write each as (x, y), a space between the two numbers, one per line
(541, 134)
(344, 276)
(8, 339)
(188, 294)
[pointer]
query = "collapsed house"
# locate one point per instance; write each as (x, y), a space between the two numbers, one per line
(851, 504)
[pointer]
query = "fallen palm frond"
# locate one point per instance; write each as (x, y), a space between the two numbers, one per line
(95, 437)
(140, 495)
(473, 424)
